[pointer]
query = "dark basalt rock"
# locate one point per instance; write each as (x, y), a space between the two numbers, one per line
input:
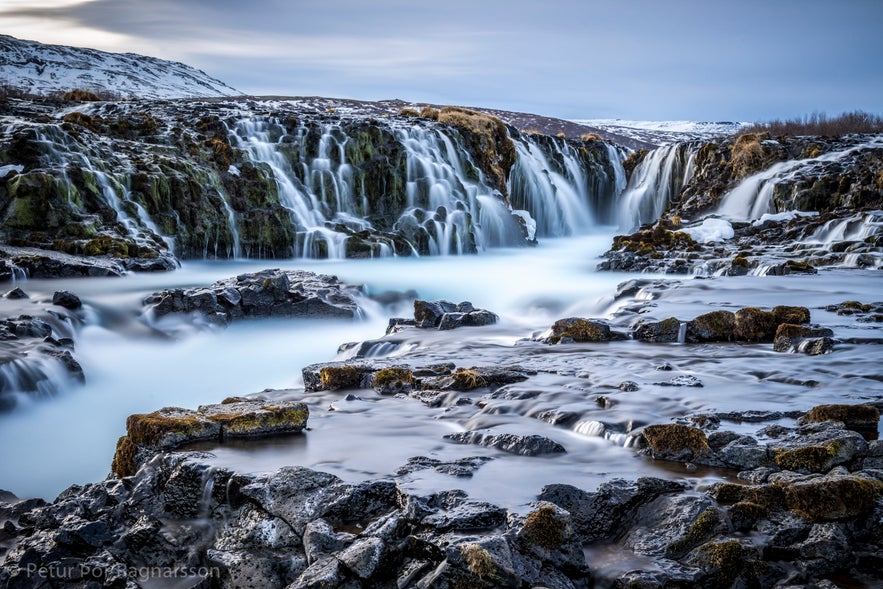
(443, 315)
(665, 331)
(577, 329)
(531, 445)
(66, 299)
(269, 293)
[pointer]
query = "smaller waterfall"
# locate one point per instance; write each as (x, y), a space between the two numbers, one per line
(557, 200)
(753, 197)
(654, 184)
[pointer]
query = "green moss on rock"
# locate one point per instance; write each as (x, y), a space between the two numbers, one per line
(700, 531)
(544, 528)
(715, 326)
(123, 464)
(833, 499)
(808, 458)
(340, 377)
(393, 375)
(578, 330)
(676, 442)
(721, 561)
(793, 315)
(862, 416)
(755, 325)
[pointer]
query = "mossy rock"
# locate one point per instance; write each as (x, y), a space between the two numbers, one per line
(716, 326)
(793, 315)
(832, 499)
(701, 530)
(676, 442)
(393, 375)
(754, 325)
(478, 560)
(248, 422)
(721, 562)
(169, 427)
(340, 377)
(808, 458)
(578, 330)
(667, 330)
(633, 160)
(767, 496)
(744, 515)
(853, 416)
(466, 380)
(489, 142)
(544, 527)
(124, 459)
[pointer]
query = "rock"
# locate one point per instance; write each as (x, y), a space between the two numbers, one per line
(66, 299)
(171, 427)
(331, 376)
(628, 386)
(531, 445)
(667, 330)
(363, 557)
(859, 417)
(684, 380)
(429, 313)
(16, 294)
(675, 442)
(788, 336)
(816, 346)
(40, 263)
(462, 467)
(672, 525)
(445, 315)
(320, 540)
(716, 326)
(467, 516)
(755, 325)
(792, 315)
(576, 329)
(269, 293)
(818, 447)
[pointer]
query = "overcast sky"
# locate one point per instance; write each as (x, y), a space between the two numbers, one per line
(636, 59)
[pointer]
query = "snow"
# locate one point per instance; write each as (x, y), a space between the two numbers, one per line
(17, 168)
(779, 217)
(664, 132)
(36, 68)
(710, 230)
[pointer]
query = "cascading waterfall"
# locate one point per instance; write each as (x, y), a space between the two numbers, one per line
(458, 214)
(753, 197)
(562, 192)
(654, 183)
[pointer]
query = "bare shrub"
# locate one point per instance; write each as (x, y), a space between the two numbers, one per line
(80, 95)
(818, 123)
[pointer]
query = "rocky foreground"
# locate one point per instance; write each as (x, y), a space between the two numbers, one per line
(800, 502)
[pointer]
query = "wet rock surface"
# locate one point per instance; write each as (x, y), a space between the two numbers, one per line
(269, 293)
(36, 346)
(443, 315)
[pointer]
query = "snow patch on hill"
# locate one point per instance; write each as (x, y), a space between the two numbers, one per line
(664, 132)
(35, 68)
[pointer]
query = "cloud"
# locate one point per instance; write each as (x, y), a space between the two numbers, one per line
(639, 59)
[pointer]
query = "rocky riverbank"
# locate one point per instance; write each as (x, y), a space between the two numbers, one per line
(783, 498)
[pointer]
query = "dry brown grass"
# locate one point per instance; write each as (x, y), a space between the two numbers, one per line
(409, 112)
(590, 137)
(819, 124)
(747, 153)
(80, 95)
(428, 112)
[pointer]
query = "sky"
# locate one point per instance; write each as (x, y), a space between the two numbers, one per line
(740, 60)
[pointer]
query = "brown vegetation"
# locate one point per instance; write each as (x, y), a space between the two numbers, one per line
(80, 95)
(747, 153)
(819, 124)
(409, 112)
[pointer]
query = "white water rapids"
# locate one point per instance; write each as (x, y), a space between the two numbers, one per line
(48, 444)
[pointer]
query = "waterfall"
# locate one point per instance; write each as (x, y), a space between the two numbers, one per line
(753, 196)
(565, 192)
(654, 183)
(459, 214)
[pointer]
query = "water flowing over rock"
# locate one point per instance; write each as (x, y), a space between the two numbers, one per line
(274, 179)
(755, 204)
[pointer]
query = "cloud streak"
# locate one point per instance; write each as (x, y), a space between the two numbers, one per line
(638, 59)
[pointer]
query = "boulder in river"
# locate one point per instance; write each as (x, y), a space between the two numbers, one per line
(171, 427)
(269, 293)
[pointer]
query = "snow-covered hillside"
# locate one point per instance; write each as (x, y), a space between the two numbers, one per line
(40, 69)
(663, 132)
